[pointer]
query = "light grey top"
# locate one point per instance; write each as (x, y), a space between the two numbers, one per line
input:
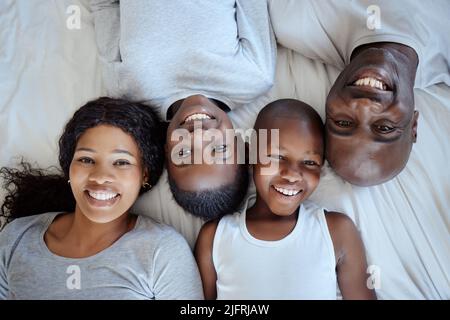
(163, 51)
(152, 261)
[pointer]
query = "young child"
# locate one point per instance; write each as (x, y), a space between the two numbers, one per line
(73, 236)
(282, 246)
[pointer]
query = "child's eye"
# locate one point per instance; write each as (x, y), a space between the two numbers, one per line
(276, 156)
(85, 160)
(184, 153)
(121, 163)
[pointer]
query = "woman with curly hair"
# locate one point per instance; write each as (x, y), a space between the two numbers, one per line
(72, 235)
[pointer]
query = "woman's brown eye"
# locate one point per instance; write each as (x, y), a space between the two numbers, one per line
(86, 160)
(122, 163)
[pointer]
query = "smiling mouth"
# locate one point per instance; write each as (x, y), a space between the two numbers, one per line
(102, 196)
(372, 83)
(197, 117)
(288, 192)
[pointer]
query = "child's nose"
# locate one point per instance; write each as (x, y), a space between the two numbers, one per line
(291, 173)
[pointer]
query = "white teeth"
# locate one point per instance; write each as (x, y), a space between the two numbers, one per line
(197, 116)
(371, 82)
(102, 196)
(287, 192)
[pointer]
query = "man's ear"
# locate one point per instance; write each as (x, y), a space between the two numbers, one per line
(414, 126)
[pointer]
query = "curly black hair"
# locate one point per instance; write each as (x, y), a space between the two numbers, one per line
(32, 191)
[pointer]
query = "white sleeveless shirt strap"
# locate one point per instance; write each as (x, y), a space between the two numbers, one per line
(299, 266)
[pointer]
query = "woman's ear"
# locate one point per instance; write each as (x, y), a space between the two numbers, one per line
(414, 126)
(146, 176)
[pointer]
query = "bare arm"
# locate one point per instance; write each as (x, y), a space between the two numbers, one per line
(350, 255)
(203, 255)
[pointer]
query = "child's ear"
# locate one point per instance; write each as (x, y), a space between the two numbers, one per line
(414, 126)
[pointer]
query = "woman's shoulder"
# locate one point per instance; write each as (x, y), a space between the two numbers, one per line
(157, 232)
(19, 225)
(14, 231)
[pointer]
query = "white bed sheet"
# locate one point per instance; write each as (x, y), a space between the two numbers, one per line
(47, 71)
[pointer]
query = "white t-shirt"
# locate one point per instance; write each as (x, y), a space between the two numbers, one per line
(329, 30)
(299, 266)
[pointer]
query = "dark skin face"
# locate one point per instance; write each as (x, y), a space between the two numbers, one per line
(299, 157)
(371, 123)
(199, 115)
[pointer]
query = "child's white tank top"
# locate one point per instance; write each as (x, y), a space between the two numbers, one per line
(299, 266)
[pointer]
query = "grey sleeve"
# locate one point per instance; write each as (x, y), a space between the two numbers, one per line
(175, 272)
(106, 14)
(256, 35)
(4, 257)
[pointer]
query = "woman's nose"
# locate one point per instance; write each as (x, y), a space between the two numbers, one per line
(101, 175)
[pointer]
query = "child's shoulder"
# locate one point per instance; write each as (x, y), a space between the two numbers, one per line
(209, 228)
(339, 224)
(343, 232)
(208, 231)
(338, 220)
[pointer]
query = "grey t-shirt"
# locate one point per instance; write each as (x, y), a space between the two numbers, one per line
(163, 51)
(152, 261)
